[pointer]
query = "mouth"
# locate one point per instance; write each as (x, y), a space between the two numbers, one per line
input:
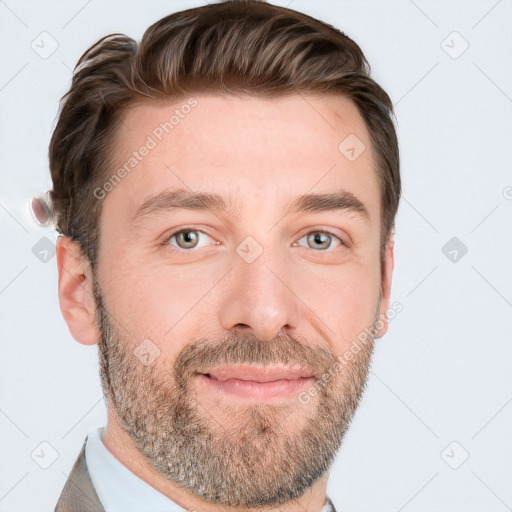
(257, 382)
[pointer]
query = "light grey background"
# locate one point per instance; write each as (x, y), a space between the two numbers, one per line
(442, 374)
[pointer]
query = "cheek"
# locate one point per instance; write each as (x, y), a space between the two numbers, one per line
(159, 302)
(346, 303)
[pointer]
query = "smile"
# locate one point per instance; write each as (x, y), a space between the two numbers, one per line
(257, 382)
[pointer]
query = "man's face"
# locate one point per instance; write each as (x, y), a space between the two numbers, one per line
(265, 281)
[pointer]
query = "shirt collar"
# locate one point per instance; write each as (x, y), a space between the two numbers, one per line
(117, 487)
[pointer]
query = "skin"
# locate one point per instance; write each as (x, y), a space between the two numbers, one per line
(263, 153)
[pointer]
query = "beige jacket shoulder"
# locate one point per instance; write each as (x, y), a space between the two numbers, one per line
(79, 495)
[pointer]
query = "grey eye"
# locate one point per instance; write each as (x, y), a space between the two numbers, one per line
(320, 240)
(186, 239)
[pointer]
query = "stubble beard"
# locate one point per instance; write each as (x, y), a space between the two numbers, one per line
(252, 455)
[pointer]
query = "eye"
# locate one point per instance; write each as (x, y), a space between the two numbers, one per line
(321, 240)
(188, 239)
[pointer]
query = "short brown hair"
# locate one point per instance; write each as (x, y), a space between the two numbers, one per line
(238, 46)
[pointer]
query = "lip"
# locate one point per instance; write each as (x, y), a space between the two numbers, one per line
(256, 382)
(260, 374)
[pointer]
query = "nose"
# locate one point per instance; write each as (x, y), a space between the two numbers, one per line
(259, 296)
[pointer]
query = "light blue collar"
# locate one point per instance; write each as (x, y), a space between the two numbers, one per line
(118, 489)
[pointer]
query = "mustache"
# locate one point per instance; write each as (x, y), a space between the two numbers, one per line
(243, 348)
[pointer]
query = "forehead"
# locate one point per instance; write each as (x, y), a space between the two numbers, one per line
(262, 151)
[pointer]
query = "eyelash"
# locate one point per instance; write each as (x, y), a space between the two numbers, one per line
(186, 230)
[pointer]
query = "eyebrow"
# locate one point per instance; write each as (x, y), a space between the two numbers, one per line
(176, 199)
(339, 200)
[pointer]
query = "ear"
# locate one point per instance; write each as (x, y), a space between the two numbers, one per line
(385, 287)
(76, 297)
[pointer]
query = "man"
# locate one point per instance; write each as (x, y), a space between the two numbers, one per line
(226, 191)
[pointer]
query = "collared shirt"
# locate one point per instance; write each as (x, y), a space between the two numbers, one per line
(120, 490)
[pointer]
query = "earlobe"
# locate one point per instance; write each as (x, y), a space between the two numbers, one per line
(75, 287)
(386, 277)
